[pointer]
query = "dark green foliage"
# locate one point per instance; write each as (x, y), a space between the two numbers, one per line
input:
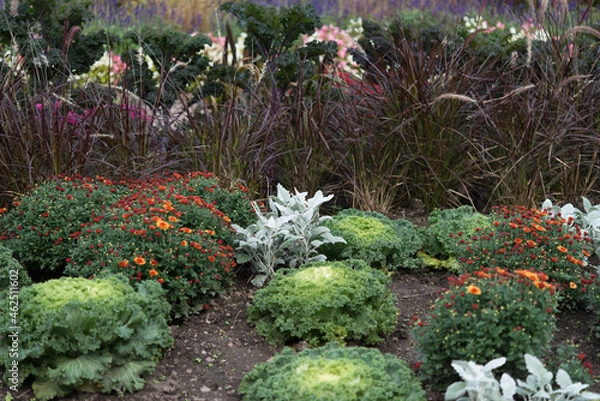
(77, 333)
(46, 30)
(325, 301)
(176, 55)
(332, 373)
(11, 271)
(374, 238)
(273, 34)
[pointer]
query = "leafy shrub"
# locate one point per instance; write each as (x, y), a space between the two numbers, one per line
(479, 383)
(86, 334)
(523, 238)
(438, 242)
(484, 315)
(290, 233)
(11, 271)
(158, 234)
(332, 373)
(325, 301)
(41, 227)
(374, 238)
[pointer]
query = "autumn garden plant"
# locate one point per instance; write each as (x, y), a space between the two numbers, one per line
(77, 333)
(374, 238)
(325, 301)
(332, 372)
(523, 238)
(484, 315)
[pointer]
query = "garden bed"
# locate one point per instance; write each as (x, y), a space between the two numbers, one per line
(216, 348)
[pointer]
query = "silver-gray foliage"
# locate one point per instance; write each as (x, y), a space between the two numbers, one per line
(290, 233)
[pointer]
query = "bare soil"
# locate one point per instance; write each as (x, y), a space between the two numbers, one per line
(216, 348)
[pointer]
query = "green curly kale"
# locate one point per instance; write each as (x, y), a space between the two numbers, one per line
(325, 301)
(374, 238)
(437, 241)
(332, 373)
(75, 333)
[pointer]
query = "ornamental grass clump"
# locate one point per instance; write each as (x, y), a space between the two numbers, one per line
(374, 238)
(91, 335)
(523, 238)
(325, 301)
(485, 315)
(332, 373)
(161, 235)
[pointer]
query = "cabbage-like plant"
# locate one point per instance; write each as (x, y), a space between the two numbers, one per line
(479, 384)
(325, 301)
(289, 233)
(332, 373)
(437, 241)
(374, 238)
(75, 333)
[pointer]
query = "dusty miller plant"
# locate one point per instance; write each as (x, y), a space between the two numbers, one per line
(479, 384)
(289, 233)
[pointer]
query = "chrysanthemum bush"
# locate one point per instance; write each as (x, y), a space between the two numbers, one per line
(156, 233)
(523, 238)
(483, 315)
(169, 228)
(40, 227)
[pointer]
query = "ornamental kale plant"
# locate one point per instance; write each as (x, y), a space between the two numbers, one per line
(522, 238)
(42, 227)
(325, 301)
(437, 239)
(80, 334)
(290, 233)
(332, 373)
(156, 233)
(374, 238)
(485, 315)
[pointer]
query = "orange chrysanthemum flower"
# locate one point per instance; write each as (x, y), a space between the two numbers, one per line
(481, 274)
(124, 263)
(153, 273)
(538, 227)
(139, 260)
(163, 225)
(173, 219)
(518, 241)
(531, 243)
(572, 285)
(562, 249)
(184, 243)
(473, 289)
(154, 262)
